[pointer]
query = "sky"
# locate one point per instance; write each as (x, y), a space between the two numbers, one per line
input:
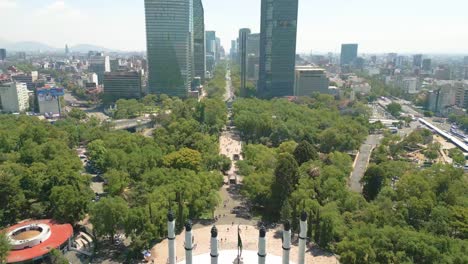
(378, 26)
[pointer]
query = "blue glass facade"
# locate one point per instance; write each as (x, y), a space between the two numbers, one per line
(277, 48)
(169, 36)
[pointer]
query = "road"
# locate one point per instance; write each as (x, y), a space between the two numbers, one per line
(234, 208)
(229, 93)
(362, 161)
(372, 141)
(128, 123)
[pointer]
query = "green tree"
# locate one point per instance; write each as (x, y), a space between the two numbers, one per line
(4, 247)
(56, 257)
(286, 179)
(69, 204)
(394, 109)
(98, 153)
(108, 216)
(183, 159)
(432, 151)
(457, 156)
(373, 181)
(77, 114)
(305, 152)
(117, 181)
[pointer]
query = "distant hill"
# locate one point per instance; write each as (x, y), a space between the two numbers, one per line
(26, 46)
(34, 46)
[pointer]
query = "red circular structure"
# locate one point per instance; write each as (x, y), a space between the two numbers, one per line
(59, 235)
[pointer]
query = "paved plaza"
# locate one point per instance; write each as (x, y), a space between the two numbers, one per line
(227, 236)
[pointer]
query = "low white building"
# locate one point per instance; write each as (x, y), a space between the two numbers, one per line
(14, 97)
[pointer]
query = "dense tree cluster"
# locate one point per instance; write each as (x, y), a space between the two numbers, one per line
(461, 120)
(273, 122)
(216, 87)
(179, 170)
(406, 215)
(39, 172)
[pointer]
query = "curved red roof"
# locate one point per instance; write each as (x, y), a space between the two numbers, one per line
(60, 233)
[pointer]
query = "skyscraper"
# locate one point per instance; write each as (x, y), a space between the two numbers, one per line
(242, 58)
(199, 40)
(277, 48)
(169, 36)
(2, 54)
(253, 55)
(67, 50)
(99, 64)
(233, 51)
(426, 64)
(349, 54)
(210, 50)
(417, 60)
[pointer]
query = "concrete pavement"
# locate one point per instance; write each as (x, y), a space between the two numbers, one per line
(362, 161)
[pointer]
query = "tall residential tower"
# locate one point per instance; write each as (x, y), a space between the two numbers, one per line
(199, 39)
(169, 36)
(277, 48)
(242, 58)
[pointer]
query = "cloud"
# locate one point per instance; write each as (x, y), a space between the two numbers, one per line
(4, 4)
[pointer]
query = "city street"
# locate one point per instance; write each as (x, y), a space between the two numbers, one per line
(362, 161)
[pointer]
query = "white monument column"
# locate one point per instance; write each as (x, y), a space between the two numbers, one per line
(171, 237)
(262, 246)
(188, 243)
(214, 246)
(286, 242)
(302, 238)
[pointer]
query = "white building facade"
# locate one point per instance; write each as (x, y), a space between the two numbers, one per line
(14, 97)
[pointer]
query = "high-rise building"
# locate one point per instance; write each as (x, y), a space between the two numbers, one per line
(253, 44)
(310, 80)
(417, 60)
(252, 67)
(349, 54)
(277, 48)
(426, 65)
(219, 49)
(2, 54)
(169, 36)
(253, 56)
(14, 97)
(199, 39)
(67, 50)
(210, 50)
(99, 64)
(233, 50)
(122, 85)
(242, 58)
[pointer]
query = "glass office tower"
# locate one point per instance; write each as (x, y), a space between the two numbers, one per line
(199, 39)
(349, 54)
(277, 48)
(169, 36)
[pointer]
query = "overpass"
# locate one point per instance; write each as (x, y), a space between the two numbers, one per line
(446, 135)
(132, 125)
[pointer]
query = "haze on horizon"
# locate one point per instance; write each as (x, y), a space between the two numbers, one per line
(423, 26)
